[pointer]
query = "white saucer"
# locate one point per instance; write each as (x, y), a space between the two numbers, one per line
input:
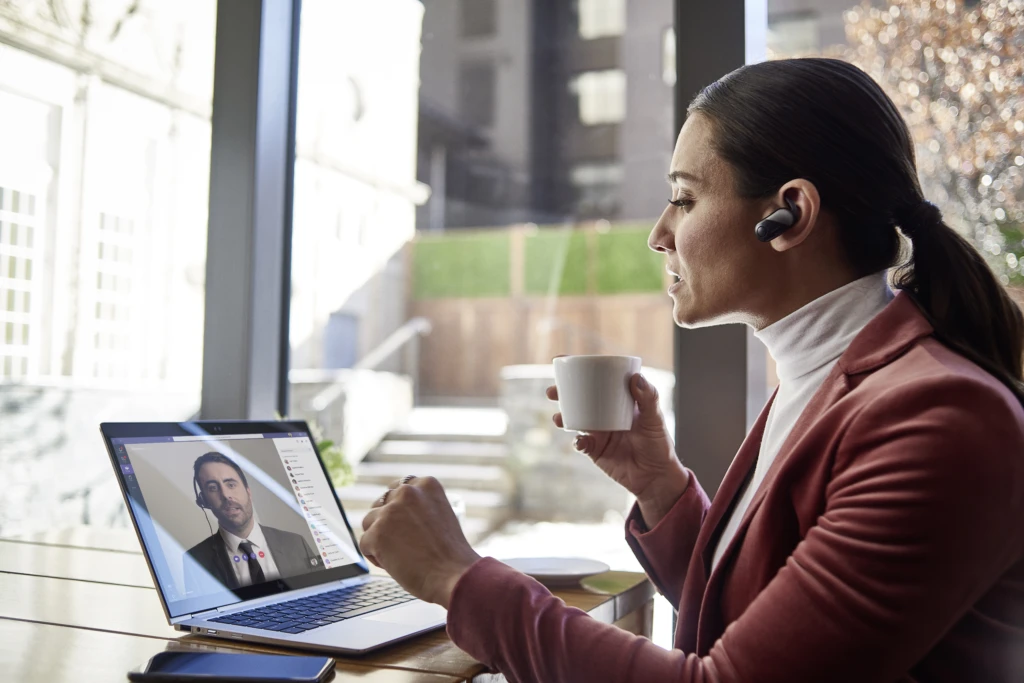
(557, 571)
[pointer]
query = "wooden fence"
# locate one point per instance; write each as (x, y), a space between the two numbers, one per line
(473, 339)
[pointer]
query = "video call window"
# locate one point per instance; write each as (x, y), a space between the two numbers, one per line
(227, 513)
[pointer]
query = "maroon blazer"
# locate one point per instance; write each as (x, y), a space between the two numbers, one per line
(885, 544)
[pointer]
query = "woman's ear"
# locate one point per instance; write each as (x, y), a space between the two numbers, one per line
(804, 195)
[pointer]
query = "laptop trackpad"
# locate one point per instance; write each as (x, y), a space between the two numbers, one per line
(414, 615)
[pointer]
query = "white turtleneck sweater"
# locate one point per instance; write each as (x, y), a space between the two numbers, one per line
(805, 345)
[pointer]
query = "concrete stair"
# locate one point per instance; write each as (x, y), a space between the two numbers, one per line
(462, 447)
(486, 478)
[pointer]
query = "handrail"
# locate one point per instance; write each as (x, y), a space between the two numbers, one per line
(413, 328)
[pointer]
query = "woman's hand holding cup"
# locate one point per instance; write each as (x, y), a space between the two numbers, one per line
(638, 453)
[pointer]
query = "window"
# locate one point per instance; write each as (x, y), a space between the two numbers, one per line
(113, 355)
(795, 33)
(476, 94)
(668, 56)
(601, 96)
(469, 200)
(599, 18)
(19, 217)
(598, 188)
(104, 174)
(479, 18)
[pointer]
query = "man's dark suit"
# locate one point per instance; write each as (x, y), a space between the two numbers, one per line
(292, 555)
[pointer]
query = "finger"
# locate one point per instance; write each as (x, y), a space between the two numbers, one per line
(367, 545)
(557, 419)
(646, 396)
(383, 498)
(429, 483)
(584, 443)
(396, 483)
(552, 393)
(370, 518)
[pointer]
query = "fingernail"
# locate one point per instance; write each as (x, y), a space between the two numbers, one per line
(576, 443)
(641, 383)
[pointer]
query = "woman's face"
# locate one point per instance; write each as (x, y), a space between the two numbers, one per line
(707, 236)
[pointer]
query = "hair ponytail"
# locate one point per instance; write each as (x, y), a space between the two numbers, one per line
(970, 311)
(827, 121)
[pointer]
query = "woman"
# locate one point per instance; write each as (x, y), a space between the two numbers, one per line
(871, 527)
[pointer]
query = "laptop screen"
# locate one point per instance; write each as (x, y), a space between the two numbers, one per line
(231, 517)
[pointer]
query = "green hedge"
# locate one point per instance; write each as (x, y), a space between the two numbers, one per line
(548, 249)
(478, 265)
(626, 264)
(461, 265)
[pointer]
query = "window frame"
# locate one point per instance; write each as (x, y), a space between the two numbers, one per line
(489, 31)
(252, 173)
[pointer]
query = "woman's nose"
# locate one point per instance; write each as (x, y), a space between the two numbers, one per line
(661, 238)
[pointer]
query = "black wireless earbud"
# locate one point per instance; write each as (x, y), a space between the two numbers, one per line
(777, 223)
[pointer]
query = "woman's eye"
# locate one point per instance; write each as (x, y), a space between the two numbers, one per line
(681, 203)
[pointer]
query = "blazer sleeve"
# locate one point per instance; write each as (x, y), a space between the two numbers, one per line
(922, 516)
(664, 551)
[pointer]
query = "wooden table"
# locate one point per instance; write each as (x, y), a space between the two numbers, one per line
(79, 606)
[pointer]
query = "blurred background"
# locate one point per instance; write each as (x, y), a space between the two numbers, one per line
(473, 186)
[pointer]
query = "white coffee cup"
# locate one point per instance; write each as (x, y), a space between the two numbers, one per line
(593, 392)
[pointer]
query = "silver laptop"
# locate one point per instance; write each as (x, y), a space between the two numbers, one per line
(246, 539)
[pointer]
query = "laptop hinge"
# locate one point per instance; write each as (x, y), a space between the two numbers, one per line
(202, 615)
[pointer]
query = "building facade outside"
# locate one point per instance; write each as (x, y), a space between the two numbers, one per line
(549, 112)
(554, 111)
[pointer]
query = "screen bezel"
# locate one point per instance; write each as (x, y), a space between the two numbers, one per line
(215, 429)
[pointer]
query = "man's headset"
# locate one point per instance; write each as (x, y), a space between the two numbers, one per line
(212, 456)
(200, 499)
(778, 222)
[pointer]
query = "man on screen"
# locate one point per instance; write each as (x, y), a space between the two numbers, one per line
(242, 551)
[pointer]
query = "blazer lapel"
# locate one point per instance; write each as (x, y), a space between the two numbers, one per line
(220, 561)
(694, 591)
(710, 623)
(740, 469)
(832, 389)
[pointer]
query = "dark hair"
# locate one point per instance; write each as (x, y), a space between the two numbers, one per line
(828, 122)
(213, 456)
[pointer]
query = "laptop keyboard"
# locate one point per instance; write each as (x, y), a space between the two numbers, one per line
(304, 614)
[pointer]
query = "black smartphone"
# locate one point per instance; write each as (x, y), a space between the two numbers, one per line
(168, 667)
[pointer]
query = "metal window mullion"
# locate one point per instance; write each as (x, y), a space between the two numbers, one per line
(251, 171)
(718, 370)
